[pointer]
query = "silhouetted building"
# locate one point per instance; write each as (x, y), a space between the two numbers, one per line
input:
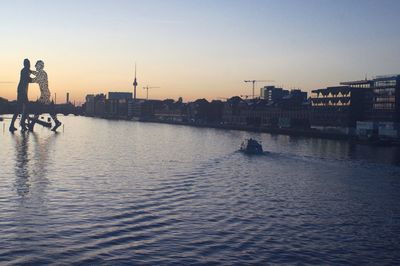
(143, 109)
(298, 96)
(294, 100)
(135, 108)
(100, 105)
(89, 105)
(233, 111)
(120, 95)
(198, 111)
(95, 105)
(385, 98)
(340, 107)
(273, 94)
(288, 112)
(172, 111)
(364, 107)
(382, 113)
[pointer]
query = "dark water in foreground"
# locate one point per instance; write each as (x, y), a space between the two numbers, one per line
(116, 192)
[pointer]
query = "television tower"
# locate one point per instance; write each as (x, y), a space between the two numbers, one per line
(134, 85)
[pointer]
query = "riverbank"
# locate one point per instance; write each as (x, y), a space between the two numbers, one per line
(279, 131)
(308, 133)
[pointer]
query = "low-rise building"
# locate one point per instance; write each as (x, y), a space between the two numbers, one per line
(272, 93)
(95, 105)
(120, 95)
(339, 108)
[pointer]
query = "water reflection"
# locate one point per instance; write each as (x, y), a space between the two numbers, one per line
(347, 150)
(31, 164)
(40, 163)
(22, 184)
(118, 191)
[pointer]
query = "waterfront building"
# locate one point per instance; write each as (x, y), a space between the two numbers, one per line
(143, 109)
(117, 105)
(233, 111)
(294, 100)
(135, 108)
(170, 115)
(117, 109)
(95, 105)
(288, 112)
(120, 95)
(89, 105)
(276, 117)
(298, 96)
(100, 105)
(385, 97)
(198, 111)
(172, 111)
(369, 107)
(272, 93)
(339, 108)
(386, 103)
(382, 109)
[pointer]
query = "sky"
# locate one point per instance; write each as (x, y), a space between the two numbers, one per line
(196, 48)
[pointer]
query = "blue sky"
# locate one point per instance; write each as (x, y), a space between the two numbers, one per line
(198, 48)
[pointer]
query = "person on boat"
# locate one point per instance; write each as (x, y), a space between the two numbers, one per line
(44, 99)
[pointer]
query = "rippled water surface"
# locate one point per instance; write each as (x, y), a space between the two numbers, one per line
(118, 192)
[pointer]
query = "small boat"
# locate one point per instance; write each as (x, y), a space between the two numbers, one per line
(251, 146)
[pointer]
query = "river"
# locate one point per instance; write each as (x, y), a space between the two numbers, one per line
(121, 192)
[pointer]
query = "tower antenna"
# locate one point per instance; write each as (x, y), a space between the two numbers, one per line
(134, 85)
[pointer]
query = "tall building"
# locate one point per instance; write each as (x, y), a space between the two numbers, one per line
(384, 105)
(386, 101)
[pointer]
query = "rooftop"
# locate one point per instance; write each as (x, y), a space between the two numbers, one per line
(356, 82)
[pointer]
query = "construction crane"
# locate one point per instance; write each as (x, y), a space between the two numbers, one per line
(147, 90)
(256, 81)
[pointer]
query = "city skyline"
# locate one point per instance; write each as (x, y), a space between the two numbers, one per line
(197, 49)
